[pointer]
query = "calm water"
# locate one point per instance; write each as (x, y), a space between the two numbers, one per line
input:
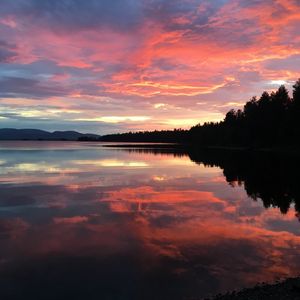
(79, 221)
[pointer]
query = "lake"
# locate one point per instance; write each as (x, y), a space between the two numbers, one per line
(83, 221)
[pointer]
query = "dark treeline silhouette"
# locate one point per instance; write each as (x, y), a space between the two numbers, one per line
(268, 177)
(273, 120)
(163, 136)
(270, 121)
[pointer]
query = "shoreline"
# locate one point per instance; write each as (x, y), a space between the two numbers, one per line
(176, 146)
(171, 145)
(288, 289)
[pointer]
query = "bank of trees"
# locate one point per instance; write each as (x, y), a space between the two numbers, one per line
(157, 136)
(272, 120)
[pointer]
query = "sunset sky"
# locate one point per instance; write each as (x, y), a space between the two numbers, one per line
(116, 65)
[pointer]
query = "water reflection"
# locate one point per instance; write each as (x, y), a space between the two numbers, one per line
(271, 178)
(87, 222)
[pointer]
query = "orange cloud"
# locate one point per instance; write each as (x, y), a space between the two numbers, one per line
(215, 53)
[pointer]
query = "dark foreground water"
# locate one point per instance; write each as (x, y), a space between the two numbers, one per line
(79, 221)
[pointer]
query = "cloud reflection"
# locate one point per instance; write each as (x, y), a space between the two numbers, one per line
(127, 232)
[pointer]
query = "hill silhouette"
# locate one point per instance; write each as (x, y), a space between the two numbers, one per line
(36, 134)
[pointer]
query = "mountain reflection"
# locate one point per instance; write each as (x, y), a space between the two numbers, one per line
(88, 222)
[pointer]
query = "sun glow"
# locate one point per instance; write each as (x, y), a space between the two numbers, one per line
(116, 119)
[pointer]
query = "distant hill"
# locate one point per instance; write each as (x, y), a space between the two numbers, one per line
(36, 134)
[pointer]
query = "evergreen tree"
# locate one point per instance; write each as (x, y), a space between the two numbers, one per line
(296, 93)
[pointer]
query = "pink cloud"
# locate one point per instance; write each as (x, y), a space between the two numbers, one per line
(71, 220)
(166, 54)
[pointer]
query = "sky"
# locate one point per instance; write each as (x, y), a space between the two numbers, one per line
(106, 66)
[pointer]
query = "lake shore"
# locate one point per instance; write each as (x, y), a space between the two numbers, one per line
(289, 289)
(178, 146)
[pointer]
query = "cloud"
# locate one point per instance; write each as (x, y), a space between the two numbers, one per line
(7, 53)
(105, 57)
(73, 15)
(290, 63)
(27, 87)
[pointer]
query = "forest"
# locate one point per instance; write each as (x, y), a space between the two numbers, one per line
(272, 120)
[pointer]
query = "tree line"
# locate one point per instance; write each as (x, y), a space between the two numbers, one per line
(273, 120)
(156, 136)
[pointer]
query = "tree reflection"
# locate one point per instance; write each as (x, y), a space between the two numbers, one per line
(270, 177)
(265, 176)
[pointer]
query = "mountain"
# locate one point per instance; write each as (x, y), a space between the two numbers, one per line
(36, 134)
